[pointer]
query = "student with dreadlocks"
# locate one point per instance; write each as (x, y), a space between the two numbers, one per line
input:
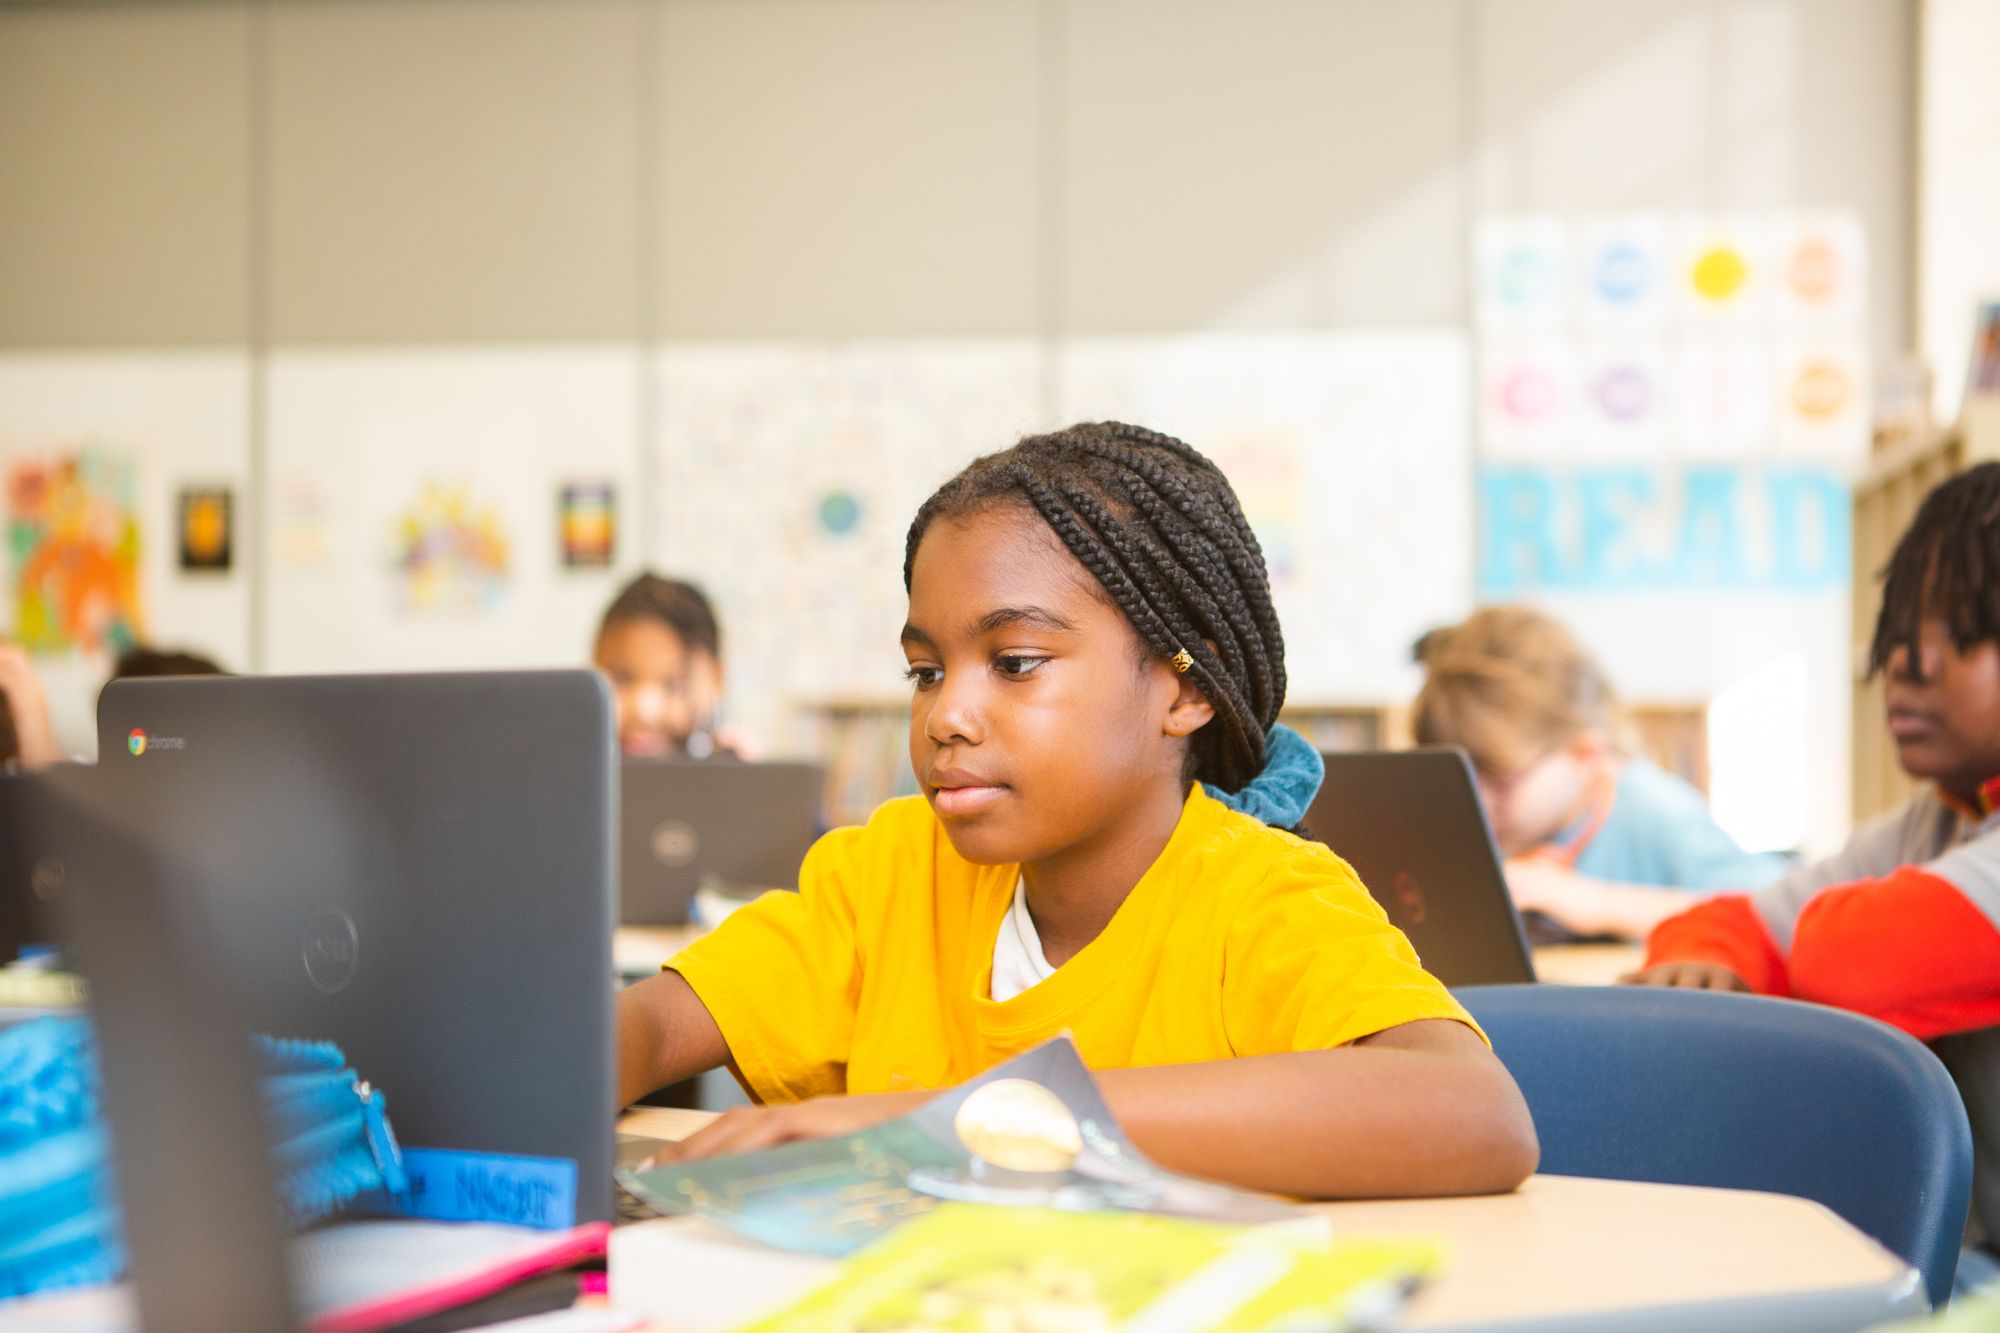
(1903, 923)
(1100, 848)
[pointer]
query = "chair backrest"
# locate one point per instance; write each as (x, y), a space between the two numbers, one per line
(1706, 1088)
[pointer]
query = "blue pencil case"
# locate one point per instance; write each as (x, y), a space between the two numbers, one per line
(59, 1226)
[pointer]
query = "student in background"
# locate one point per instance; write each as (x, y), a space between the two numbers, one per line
(1900, 924)
(661, 647)
(27, 735)
(1100, 848)
(1596, 838)
(148, 661)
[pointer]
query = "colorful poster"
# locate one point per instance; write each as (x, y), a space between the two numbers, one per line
(1824, 409)
(136, 426)
(1625, 273)
(418, 504)
(1532, 397)
(1627, 400)
(1822, 272)
(73, 538)
(587, 515)
(1983, 376)
(1724, 270)
(1523, 272)
(451, 553)
(207, 531)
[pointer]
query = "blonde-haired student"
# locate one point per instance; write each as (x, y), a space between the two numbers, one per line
(1597, 837)
(1100, 848)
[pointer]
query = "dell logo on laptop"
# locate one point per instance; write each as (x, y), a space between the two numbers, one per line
(332, 947)
(675, 843)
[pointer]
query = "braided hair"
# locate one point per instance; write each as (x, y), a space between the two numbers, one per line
(1947, 564)
(1159, 528)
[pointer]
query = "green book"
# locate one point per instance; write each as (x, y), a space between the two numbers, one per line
(979, 1269)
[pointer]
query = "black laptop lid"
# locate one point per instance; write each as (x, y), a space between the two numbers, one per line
(416, 867)
(190, 1148)
(1411, 825)
(35, 823)
(690, 821)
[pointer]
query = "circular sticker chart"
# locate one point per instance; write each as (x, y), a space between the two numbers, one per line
(1625, 394)
(1720, 274)
(1821, 391)
(839, 513)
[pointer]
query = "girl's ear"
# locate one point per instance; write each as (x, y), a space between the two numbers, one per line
(1191, 710)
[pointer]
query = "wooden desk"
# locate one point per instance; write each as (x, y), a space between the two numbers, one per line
(638, 950)
(1587, 964)
(1573, 1254)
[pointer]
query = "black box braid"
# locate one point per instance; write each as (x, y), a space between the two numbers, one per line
(1160, 529)
(1947, 565)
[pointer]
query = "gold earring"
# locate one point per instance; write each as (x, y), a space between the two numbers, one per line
(1182, 661)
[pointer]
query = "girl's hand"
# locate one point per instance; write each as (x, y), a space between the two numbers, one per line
(21, 690)
(1688, 976)
(749, 1128)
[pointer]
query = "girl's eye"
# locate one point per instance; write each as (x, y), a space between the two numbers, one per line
(923, 677)
(1017, 668)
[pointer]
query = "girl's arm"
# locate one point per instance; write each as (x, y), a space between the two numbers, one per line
(1423, 1108)
(665, 1034)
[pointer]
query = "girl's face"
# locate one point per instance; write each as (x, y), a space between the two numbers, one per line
(1037, 722)
(663, 689)
(1946, 725)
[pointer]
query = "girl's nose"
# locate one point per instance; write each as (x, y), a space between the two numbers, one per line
(954, 715)
(649, 703)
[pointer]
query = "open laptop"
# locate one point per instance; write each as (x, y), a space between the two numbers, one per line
(196, 1190)
(416, 867)
(32, 820)
(687, 822)
(1411, 825)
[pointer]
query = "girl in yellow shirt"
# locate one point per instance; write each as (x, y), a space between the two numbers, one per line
(1100, 848)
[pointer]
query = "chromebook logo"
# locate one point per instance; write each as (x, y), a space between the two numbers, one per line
(139, 742)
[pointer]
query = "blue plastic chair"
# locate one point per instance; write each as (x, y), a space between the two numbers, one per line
(1691, 1087)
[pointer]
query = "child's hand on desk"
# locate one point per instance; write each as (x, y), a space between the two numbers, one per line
(1540, 884)
(749, 1128)
(1688, 976)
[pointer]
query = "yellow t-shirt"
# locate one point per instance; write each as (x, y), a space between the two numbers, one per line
(1239, 940)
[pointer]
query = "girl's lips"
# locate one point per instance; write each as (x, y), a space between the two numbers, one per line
(1909, 726)
(959, 801)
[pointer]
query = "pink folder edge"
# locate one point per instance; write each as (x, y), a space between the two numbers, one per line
(584, 1242)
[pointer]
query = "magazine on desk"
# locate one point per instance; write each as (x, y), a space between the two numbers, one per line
(1033, 1132)
(1012, 1202)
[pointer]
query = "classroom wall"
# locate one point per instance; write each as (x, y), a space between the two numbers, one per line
(446, 242)
(1958, 172)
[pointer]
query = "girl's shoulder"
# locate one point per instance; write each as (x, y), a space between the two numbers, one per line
(1240, 855)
